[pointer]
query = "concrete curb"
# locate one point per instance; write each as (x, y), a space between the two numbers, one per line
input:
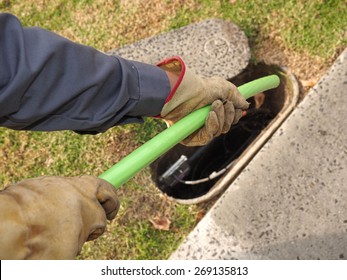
(290, 202)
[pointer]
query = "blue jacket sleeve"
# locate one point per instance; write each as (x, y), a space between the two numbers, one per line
(50, 83)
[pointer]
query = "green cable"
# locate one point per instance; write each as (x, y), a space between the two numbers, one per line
(126, 168)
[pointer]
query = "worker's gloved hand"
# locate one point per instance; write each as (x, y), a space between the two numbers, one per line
(193, 92)
(51, 217)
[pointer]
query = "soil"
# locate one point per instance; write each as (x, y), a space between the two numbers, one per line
(307, 69)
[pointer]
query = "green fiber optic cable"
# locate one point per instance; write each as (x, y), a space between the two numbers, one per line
(126, 168)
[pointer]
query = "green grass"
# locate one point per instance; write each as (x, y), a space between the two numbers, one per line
(316, 27)
(148, 129)
(33, 154)
(140, 240)
(307, 28)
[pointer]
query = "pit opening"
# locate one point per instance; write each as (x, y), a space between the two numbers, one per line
(186, 173)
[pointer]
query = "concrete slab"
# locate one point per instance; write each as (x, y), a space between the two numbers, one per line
(290, 202)
(211, 48)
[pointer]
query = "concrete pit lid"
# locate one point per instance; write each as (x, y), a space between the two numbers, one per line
(212, 47)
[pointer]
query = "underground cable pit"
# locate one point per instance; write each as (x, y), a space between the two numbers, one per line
(186, 173)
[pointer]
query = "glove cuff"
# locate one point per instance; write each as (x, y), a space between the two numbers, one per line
(176, 66)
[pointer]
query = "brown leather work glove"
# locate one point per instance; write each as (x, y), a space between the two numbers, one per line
(193, 92)
(51, 217)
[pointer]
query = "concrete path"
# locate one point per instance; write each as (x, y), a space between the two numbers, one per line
(290, 202)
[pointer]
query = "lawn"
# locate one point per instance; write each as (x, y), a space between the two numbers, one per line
(306, 36)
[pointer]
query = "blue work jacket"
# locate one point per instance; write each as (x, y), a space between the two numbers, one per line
(50, 83)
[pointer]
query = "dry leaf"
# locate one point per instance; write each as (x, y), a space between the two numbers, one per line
(309, 83)
(259, 100)
(160, 222)
(232, 1)
(200, 215)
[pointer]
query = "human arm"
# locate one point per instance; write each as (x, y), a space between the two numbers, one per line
(50, 83)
